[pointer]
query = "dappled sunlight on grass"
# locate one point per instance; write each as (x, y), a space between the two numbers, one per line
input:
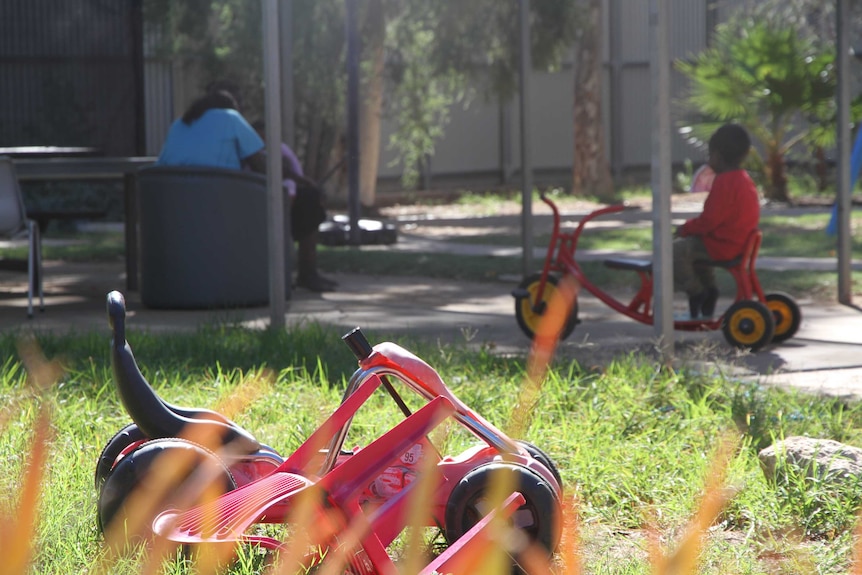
(579, 410)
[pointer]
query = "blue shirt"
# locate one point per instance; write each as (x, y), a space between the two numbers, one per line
(221, 138)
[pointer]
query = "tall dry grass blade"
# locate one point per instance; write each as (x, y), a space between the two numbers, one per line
(418, 510)
(856, 564)
(245, 394)
(349, 547)
(684, 559)
(570, 544)
(657, 559)
(501, 485)
(18, 533)
(545, 342)
(307, 531)
(41, 373)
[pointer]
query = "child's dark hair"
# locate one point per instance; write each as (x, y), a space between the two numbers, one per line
(219, 99)
(731, 141)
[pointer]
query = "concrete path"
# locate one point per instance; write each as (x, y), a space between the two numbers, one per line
(824, 357)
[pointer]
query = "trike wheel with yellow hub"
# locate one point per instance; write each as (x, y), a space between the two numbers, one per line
(748, 324)
(786, 313)
(530, 311)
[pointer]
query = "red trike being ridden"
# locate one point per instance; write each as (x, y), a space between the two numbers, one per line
(752, 321)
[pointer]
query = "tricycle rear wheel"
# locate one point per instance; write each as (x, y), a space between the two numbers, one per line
(133, 472)
(530, 314)
(786, 313)
(121, 440)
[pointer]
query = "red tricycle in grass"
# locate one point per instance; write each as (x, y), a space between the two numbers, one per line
(753, 320)
(374, 484)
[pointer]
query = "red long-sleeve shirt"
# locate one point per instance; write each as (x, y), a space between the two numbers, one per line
(730, 213)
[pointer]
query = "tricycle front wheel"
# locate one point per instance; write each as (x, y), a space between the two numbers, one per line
(748, 324)
(529, 310)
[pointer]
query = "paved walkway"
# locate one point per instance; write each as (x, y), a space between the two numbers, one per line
(825, 357)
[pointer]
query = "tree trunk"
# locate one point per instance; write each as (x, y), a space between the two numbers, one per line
(371, 102)
(821, 168)
(591, 174)
(776, 189)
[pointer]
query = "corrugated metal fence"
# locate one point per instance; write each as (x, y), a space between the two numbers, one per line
(70, 74)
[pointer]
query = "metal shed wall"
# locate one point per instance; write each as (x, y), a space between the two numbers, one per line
(69, 74)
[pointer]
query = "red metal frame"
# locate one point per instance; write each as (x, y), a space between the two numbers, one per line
(561, 258)
(368, 486)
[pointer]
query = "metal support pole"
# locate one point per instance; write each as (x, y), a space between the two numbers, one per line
(845, 282)
(275, 193)
(137, 29)
(352, 120)
(504, 109)
(526, 148)
(616, 93)
(661, 178)
(285, 36)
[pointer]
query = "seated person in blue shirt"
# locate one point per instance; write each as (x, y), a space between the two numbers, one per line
(213, 133)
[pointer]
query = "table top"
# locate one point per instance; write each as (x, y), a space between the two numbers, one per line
(79, 168)
(16, 152)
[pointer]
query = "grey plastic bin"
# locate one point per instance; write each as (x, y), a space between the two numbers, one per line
(203, 238)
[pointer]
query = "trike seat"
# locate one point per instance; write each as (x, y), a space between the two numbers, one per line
(629, 264)
(725, 264)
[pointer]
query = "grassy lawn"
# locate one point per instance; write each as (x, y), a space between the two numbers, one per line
(634, 444)
(798, 236)
(783, 236)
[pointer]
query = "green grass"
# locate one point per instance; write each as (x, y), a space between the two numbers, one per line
(90, 247)
(783, 236)
(633, 441)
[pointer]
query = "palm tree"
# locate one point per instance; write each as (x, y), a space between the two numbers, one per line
(775, 82)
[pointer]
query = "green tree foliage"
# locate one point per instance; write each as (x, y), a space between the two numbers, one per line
(438, 52)
(769, 77)
(443, 53)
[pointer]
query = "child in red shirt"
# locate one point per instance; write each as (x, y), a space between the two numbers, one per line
(730, 213)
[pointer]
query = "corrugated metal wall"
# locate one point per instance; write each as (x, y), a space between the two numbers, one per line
(158, 93)
(472, 143)
(68, 74)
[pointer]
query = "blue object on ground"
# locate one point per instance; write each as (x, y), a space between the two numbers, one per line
(855, 165)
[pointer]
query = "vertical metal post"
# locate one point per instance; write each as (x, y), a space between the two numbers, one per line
(285, 36)
(615, 18)
(137, 22)
(352, 119)
(526, 147)
(711, 21)
(845, 286)
(661, 177)
(130, 183)
(504, 108)
(275, 192)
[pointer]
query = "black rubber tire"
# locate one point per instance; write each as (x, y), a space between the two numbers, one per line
(786, 313)
(121, 440)
(542, 458)
(528, 318)
(542, 508)
(128, 474)
(748, 324)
